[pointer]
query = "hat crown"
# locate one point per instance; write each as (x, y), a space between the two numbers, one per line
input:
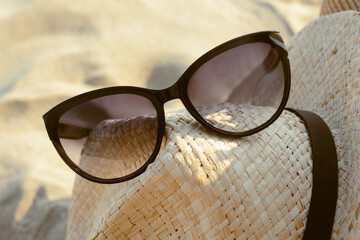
(202, 185)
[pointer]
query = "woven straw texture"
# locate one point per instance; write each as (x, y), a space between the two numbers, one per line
(203, 186)
(333, 6)
(327, 54)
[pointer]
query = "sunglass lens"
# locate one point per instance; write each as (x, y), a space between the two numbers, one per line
(110, 136)
(239, 89)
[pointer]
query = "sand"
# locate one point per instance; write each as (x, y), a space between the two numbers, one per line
(51, 50)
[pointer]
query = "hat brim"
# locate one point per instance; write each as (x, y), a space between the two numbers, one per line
(325, 68)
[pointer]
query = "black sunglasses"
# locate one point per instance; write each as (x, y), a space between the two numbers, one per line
(243, 78)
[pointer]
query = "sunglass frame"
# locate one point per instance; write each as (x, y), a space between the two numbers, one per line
(159, 97)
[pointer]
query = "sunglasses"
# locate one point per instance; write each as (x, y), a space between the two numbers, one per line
(245, 78)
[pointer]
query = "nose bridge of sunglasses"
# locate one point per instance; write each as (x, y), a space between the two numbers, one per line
(169, 93)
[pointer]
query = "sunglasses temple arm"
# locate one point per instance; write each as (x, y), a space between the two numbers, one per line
(253, 78)
(68, 131)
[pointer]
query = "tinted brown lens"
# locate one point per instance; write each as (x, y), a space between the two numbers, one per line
(111, 136)
(239, 89)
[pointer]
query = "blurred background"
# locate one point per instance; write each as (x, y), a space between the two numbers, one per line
(52, 50)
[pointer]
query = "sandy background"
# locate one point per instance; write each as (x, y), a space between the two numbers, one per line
(51, 50)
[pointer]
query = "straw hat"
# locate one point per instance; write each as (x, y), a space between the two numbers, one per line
(207, 187)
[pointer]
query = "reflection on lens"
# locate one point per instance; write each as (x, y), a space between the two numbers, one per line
(239, 89)
(111, 136)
